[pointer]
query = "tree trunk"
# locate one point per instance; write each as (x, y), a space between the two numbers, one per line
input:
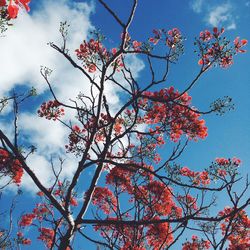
(66, 239)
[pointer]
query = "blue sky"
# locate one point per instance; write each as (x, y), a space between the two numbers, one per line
(24, 49)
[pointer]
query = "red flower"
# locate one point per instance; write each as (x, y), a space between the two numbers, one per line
(205, 35)
(174, 38)
(2, 3)
(238, 229)
(217, 50)
(196, 244)
(205, 180)
(159, 235)
(217, 33)
(19, 234)
(27, 220)
(118, 126)
(185, 171)
(104, 199)
(10, 166)
(137, 45)
(24, 3)
(238, 44)
(236, 161)
(17, 171)
(12, 10)
(47, 235)
(51, 110)
(222, 161)
(73, 202)
(41, 210)
(91, 68)
(26, 242)
(156, 38)
(222, 172)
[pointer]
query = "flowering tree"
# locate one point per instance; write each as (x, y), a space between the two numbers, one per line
(9, 10)
(147, 201)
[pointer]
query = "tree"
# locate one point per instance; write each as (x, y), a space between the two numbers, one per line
(9, 10)
(147, 201)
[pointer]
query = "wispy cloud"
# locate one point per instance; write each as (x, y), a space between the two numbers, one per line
(222, 16)
(197, 5)
(214, 14)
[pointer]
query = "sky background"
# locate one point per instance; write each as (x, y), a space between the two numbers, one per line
(23, 49)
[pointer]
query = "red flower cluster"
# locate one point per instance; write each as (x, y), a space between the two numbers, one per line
(13, 6)
(205, 36)
(126, 236)
(4, 158)
(26, 241)
(118, 126)
(118, 64)
(41, 210)
(11, 167)
(90, 52)
(159, 195)
(17, 172)
(22, 240)
(196, 244)
(215, 49)
(238, 229)
(40, 193)
(73, 202)
(159, 199)
(47, 236)
(189, 202)
(104, 199)
(157, 37)
(44, 212)
(136, 45)
(238, 44)
(159, 236)
(153, 196)
(51, 110)
(93, 53)
(172, 38)
(197, 177)
(27, 220)
(120, 177)
(225, 165)
(222, 161)
(156, 236)
(77, 139)
(172, 112)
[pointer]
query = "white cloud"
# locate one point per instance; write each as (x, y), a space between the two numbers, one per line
(221, 16)
(197, 5)
(41, 166)
(23, 50)
(232, 26)
(216, 15)
(47, 135)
